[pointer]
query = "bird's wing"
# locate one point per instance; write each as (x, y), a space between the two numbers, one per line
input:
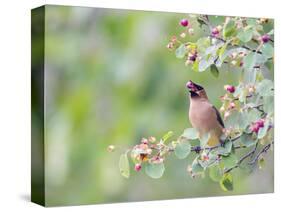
(218, 117)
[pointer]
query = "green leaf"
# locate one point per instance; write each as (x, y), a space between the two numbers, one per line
(233, 120)
(180, 51)
(226, 182)
(182, 149)
(222, 51)
(249, 60)
(244, 121)
(196, 167)
(229, 29)
(265, 88)
(262, 131)
(195, 66)
(214, 71)
(154, 170)
(251, 22)
(261, 163)
(124, 166)
(212, 50)
(247, 140)
(238, 91)
(252, 59)
(203, 44)
(229, 161)
(204, 139)
(215, 173)
(271, 32)
(253, 115)
(200, 22)
(246, 34)
(229, 52)
(190, 133)
(205, 63)
(167, 136)
(206, 163)
(250, 76)
(267, 50)
(268, 104)
(225, 149)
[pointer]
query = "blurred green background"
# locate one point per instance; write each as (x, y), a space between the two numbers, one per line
(111, 80)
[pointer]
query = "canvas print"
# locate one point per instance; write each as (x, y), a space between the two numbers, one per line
(132, 105)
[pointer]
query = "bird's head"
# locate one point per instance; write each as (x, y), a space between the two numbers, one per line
(195, 90)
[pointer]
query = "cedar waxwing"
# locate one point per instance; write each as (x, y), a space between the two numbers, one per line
(203, 116)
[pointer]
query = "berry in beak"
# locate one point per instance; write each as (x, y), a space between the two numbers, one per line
(192, 87)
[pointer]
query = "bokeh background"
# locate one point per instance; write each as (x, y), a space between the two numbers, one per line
(111, 80)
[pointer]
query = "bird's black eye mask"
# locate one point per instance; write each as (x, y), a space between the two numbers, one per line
(193, 94)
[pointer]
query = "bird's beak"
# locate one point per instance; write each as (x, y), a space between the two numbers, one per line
(192, 87)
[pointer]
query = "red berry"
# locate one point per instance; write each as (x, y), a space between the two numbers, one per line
(229, 88)
(184, 22)
(265, 38)
(260, 123)
(189, 85)
(137, 167)
(255, 128)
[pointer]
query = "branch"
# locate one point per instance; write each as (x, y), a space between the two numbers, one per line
(235, 45)
(263, 150)
(207, 23)
(197, 149)
(226, 62)
(249, 154)
(237, 98)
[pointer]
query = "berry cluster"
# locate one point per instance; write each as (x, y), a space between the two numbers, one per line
(149, 150)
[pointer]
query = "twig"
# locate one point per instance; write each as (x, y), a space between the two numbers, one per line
(249, 154)
(235, 45)
(207, 23)
(226, 62)
(198, 148)
(263, 150)
(237, 98)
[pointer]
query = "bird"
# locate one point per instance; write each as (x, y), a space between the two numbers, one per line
(204, 116)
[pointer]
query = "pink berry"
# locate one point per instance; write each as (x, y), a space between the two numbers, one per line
(137, 167)
(255, 128)
(189, 84)
(205, 157)
(229, 88)
(215, 31)
(231, 105)
(144, 141)
(265, 38)
(260, 123)
(184, 22)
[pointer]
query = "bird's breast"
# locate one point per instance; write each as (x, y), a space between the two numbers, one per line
(202, 116)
